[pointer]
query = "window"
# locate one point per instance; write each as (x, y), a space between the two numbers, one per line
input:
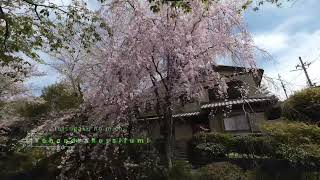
(236, 123)
(234, 89)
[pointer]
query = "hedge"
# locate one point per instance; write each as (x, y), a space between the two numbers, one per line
(296, 143)
(303, 106)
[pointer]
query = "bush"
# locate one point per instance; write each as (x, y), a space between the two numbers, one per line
(146, 162)
(214, 150)
(296, 143)
(32, 109)
(254, 145)
(293, 132)
(218, 144)
(225, 139)
(273, 112)
(223, 171)
(181, 170)
(303, 106)
(60, 97)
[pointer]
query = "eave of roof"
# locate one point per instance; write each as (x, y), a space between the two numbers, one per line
(235, 102)
(186, 114)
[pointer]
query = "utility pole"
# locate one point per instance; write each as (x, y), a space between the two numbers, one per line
(284, 88)
(303, 66)
(305, 71)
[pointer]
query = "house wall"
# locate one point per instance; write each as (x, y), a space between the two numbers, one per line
(257, 119)
(237, 121)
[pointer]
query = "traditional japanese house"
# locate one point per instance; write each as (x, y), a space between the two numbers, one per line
(240, 110)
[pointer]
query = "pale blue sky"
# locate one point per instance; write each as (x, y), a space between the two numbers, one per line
(286, 33)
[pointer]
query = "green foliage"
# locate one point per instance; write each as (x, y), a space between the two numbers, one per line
(296, 143)
(145, 162)
(21, 161)
(60, 97)
(273, 112)
(303, 106)
(44, 26)
(212, 138)
(180, 170)
(223, 171)
(213, 150)
(312, 176)
(184, 5)
(293, 132)
(252, 145)
(227, 143)
(32, 109)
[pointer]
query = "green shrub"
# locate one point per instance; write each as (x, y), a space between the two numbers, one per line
(223, 171)
(217, 144)
(60, 97)
(297, 143)
(273, 112)
(146, 160)
(303, 106)
(212, 149)
(181, 170)
(293, 132)
(32, 109)
(254, 145)
(225, 139)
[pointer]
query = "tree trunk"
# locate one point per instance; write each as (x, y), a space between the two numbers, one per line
(168, 113)
(168, 133)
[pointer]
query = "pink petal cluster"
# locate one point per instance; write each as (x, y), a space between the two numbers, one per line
(170, 51)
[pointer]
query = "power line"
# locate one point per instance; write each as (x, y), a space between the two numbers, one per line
(315, 59)
(303, 67)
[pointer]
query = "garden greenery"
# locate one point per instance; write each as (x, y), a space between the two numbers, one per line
(303, 106)
(60, 97)
(296, 143)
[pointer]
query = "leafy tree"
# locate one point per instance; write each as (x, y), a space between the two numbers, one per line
(186, 5)
(60, 97)
(28, 26)
(70, 66)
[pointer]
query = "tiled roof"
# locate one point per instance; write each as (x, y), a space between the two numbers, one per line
(186, 114)
(233, 102)
(174, 116)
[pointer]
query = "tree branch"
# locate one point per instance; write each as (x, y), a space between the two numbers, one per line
(196, 56)
(35, 9)
(46, 6)
(158, 72)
